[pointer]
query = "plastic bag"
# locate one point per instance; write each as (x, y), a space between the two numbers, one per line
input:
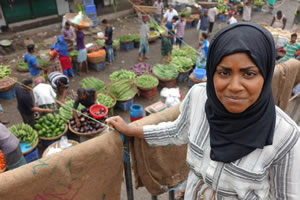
(281, 41)
(172, 96)
(78, 18)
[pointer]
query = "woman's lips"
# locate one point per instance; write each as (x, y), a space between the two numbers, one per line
(235, 99)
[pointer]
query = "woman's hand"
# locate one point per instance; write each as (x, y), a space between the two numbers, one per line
(120, 125)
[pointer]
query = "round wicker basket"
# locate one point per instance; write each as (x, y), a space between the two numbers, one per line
(7, 87)
(86, 134)
(73, 142)
(57, 137)
(96, 60)
(19, 69)
(148, 88)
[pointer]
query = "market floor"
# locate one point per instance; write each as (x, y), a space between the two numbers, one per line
(124, 60)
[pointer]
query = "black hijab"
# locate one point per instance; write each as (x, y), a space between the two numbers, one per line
(234, 135)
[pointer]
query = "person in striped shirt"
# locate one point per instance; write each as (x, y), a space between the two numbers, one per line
(290, 48)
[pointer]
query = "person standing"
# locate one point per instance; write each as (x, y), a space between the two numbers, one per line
(212, 15)
(67, 33)
(82, 52)
(271, 4)
(171, 28)
(54, 63)
(62, 47)
(108, 41)
(60, 83)
(203, 46)
(279, 20)
(203, 23)
(144, 35)
(10, 147)
(25, 103)
(159, 5)
(290, 48)
(180, 27)
(247, 10)
(44, 94)
(170, 13)
(296, 22)
(87, 97)
(233, 18)
(166, 47)
(30, 59)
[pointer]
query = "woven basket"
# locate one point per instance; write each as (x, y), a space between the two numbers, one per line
(19, 69)
(33, 147)
(96, 60)
(148, 88)
(8, 87)
(57, 137)
(114, 98)
(73, 142)
(85, 134)
(166, 79)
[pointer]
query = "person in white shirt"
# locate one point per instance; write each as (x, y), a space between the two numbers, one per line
(212, 16)
(233, 18)
(168, 16)
(44, 94)
(159, 5)
(247, 10)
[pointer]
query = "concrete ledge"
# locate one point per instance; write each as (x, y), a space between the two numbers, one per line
(114, 16)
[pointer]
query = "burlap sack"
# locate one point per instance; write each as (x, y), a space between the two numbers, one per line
(92, 170)
(158, 168)
(286, 76)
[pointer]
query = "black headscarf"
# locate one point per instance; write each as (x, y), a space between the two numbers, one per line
(234, 135)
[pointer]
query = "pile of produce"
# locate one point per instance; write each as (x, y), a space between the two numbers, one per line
(98, 53)
(74, 53)
(22, 65)
(222, 7)
(92, 82)
(122, 74)
(4, 71)
(156, 26)
(126, 38)
(65, 111)
(186, 13)
(179, 52)
(50, 125)
(87, 125)
(105, 99)
(43, 62)
(153, 34)
(100, 42)
(182, 63)
(6, 82)
(116, 43)
(259, 3)
(24, 133)
(2, 161)
(141, 68)
(123, 90)
(165, 71)
(93, 48)
(136, 37)
(146, 81)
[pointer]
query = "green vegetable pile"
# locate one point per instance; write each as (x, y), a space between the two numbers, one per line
(182, 63)
(74, 53)
(146, 81)
(185, 12)
(100, 42)
(123, 90)
(221, 6)
(65, 111)
(25, 133)
(92, 82)
(5, 70)
(50, 125)
(122, 74)
(126, 38)
(156, 26)
(116, 43)
(105, 99)
(258, 3)
(136, 37)
(165, 71)
(179, 52)
(22, 64)
(43, 62)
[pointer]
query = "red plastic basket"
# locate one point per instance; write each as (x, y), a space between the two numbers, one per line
(96, 108)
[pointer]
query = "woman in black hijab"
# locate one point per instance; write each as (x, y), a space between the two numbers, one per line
(240, 145)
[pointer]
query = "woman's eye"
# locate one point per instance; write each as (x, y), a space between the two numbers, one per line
(223, 73)
(250, 74)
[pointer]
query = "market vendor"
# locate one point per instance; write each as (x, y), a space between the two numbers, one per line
(60, 82)
(279, 20)
(240, 145)
(144, 36)
(30, 59)
(25, 102)
(68, 35)
(290, 48)
(44, 94)
(86, 97)
(10, 147)
(169, 14)
(166, 47)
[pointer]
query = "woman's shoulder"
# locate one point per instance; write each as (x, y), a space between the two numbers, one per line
(199, 90)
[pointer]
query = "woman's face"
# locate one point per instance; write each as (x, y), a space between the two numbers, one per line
(238, 82)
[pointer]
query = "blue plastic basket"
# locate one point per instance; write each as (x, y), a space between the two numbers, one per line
(32, 156)
(125, 105)
(199, 73)
(88, 2)
(8, 94)
(89, 9)
(126, 46)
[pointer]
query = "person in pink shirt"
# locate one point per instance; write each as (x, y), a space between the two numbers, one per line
(180, 26)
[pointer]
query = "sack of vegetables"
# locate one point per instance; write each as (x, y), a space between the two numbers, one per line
(88, 125)
(146, 82)
(22, 66)
(51, 127)
(25, 133)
